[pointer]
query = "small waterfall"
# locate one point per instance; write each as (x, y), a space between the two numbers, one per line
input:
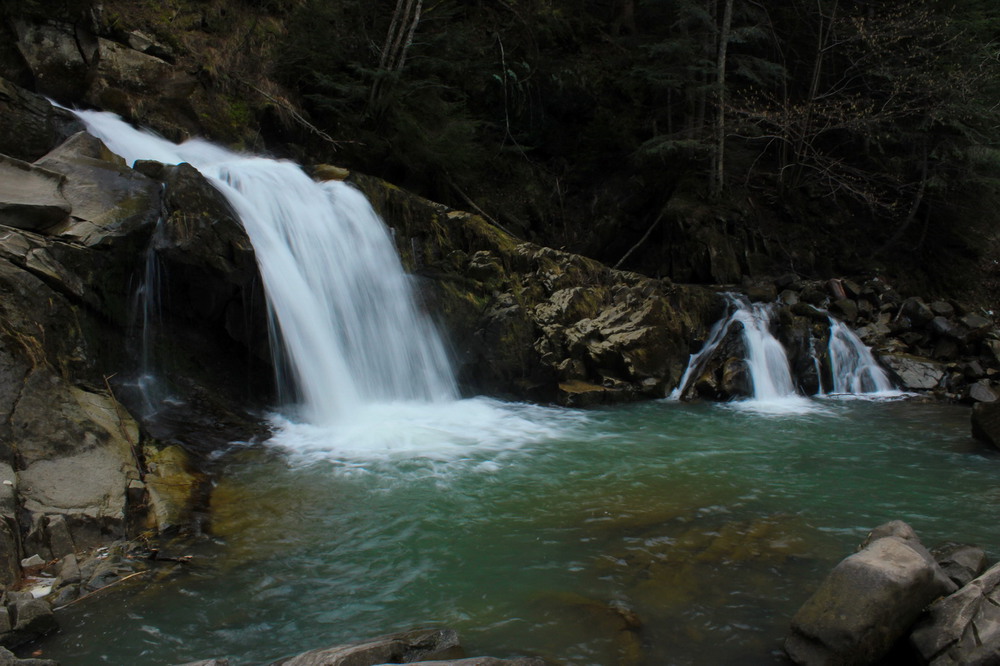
(146, 317)
(341, 303)
(766, 357)
(852, 365)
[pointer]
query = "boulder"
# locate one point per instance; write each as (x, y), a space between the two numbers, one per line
(986, 422)
(8, 658)
(868, 602)
(62, 58)
(31, 126)
(30, 197)
(109, 199)
(914, 372)
(963, 628)
(405, 647)
(981, 391)
(961, 562)
(28, 619)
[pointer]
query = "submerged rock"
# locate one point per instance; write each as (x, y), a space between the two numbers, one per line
(405, 647)
(868, 602)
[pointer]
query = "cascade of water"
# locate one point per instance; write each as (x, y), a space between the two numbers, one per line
(766, 357)
(852, 365)
(349, 326)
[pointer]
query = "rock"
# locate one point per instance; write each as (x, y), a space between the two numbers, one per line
(62, 58)
(80, 462)
(986, 422)
(914, 372)
(845, 309)
(330, 172)
(109, 199)
(942, 309)
(31, 126)
(33, 561)
(405, 647)
(483, 661)
(982, 392)
(976, 325)
(30, 197)
(963, 628)
(7, 658)
(961, 563)
(172, 484)
(942, 327)
(917, 311)
(867, 603)
(31, 619)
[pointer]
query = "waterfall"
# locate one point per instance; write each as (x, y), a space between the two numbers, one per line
(340, 301)
(852, 365)
(766, 357)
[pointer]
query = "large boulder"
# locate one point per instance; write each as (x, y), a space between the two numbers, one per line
(963, 628)
(986, 422)
(868, 602)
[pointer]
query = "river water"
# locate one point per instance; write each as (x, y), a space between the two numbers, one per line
(659, 533)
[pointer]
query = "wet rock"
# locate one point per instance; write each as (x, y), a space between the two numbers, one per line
(963, 628)
(845, 309)
(30, 197)
(986, 422)
(868, 601)
(914, 372)
(173, 484)
(405, 647)
(9, 537)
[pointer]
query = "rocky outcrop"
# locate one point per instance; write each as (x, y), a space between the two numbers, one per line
(532, 321)
(78, 469)
(869, 601)
(963, 628)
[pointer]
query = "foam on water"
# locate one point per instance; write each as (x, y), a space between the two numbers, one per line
(474, 430)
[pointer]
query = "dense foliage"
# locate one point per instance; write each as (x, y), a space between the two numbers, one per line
(577, 122)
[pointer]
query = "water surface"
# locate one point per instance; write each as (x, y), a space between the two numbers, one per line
(661, 533)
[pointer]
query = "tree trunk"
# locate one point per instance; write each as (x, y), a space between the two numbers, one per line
(718, 166)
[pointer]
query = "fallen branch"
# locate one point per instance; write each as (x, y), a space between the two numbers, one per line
(641, 240)
(100, 589)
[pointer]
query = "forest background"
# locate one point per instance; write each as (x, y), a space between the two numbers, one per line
(707, 141)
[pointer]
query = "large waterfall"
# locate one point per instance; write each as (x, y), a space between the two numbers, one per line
(372, 379)
(342, 304)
